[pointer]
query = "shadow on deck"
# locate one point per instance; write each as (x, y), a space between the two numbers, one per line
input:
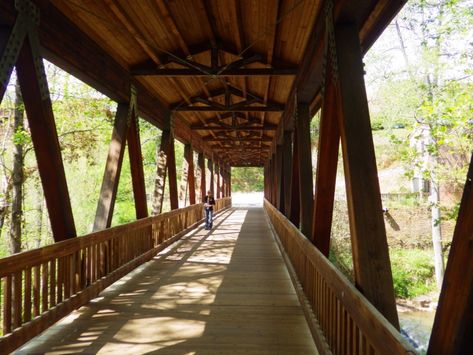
(225, 290)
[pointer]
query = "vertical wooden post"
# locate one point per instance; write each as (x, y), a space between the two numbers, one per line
(111, 177)
(34, 87)
(452, 332)
(266, 182)
(326, 173)
(369, 244)
(161, 172)
(174, 199)
(287, 166)
(136, 167)
(189, 157)
(271, 180)
(279, 179)
(305, 167)
(217, 175)
(183, 184)
(210, 167)
(230, 182)
(223, 175)
(201, 166)
(295, 208)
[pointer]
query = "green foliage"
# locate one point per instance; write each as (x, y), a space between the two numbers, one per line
(249, 179)
(413, 272)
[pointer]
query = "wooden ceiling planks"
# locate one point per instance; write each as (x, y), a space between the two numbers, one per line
(181, 34)
(157, 29)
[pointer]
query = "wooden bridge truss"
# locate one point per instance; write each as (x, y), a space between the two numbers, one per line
(237, 82)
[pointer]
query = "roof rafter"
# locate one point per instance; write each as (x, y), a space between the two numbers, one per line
(214, 69)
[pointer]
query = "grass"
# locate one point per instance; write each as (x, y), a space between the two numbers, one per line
(412, 269)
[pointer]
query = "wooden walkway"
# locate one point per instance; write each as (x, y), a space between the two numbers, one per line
(221, 291)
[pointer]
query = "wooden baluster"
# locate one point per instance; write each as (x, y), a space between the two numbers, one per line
(36, 290)
(89, 265)
(52, 283)
(17, 300)
(44, 287)
(71, 263)
(27, 297)
(67, 277)
(7, 304)
(78, 272)
(60, 279)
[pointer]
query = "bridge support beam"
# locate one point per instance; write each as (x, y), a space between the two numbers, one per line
(371, 263)
(136, 166)
(20, 45)
(279, 181)
(295, 209)
(182, 196)
(161, 172)
(189, 157)
(326, 173)
(287, 167)
(210, 167)
(171, 163)
(453, 326)
(305, 167)
(201, 172)
(113, 166)
(217, 179)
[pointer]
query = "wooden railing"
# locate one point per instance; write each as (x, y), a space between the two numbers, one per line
(41, 286)
(346, 322)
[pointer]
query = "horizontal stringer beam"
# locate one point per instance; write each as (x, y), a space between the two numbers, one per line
(206, 61)
(229, 99)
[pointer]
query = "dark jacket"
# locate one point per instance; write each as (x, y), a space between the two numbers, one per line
(210, 201)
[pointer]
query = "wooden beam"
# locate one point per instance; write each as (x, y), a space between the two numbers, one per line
(217, 179)
(183, 184)
(210, 167)
(189, 157)
(369, 244)
(306, 198)
(279, 182)
(111, 177)
(136, 167)
(34, 87)
(239, 139)
(277, 108)
(326, 173)
(201, 168)
(161, 172)
(171, 164)
(214, 73)
(453, 326)
(266, 127)
(287, 170)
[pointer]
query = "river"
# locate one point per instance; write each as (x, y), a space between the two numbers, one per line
(418, 326)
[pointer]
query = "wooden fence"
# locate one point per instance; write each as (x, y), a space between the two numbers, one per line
(347, 323)
(41, 286)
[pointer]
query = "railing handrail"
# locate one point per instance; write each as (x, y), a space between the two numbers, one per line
(380, 333)
(16, 262)
(43, 285)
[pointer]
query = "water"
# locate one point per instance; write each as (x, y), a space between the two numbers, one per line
(418, 326)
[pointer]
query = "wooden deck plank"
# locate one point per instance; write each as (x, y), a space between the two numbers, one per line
(223, 291)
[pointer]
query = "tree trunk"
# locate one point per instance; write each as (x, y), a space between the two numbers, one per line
(17, 175)
(436, 231)
(39, 214)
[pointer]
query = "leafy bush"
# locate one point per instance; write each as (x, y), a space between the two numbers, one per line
(413, 272)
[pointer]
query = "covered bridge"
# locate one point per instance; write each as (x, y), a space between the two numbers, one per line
(237, 82)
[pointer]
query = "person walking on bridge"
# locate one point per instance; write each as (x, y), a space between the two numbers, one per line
(209, 202)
